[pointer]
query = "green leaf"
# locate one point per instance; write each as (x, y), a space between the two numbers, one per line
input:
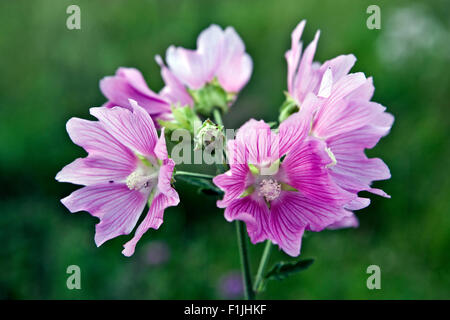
(283, 269)
(202, 183)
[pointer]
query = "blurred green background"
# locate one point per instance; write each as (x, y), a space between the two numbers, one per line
(50, 73)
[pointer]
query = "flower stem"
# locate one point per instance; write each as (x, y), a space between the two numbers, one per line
(193, 174)
(241, 234)
(245, 265)
(262, 266)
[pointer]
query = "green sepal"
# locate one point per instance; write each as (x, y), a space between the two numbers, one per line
(184, 118)
(288, 107)
(211, 96)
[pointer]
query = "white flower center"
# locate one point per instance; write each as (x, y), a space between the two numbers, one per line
(143, 177)
(269, 189)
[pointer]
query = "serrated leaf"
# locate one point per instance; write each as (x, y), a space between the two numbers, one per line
(283, 269)
(202, 183)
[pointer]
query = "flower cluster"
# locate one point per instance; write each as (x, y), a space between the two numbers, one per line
(306, 174)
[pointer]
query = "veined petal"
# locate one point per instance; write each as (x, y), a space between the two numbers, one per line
(344, 116)
(363, 92)
(306, 79)
(354, 171)
(261, 144)
(233, 183)
(296, 211)
(304, 168)
(134, 129)
(293, 55)
(92, 137)
(345, 86)
(286, 229)
(117, 207)
(95, 170)
(356, 174)
(296, 127)
(254, 213)
(153, 219)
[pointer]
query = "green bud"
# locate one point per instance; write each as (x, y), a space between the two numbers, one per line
(209, 133)
(211, 96)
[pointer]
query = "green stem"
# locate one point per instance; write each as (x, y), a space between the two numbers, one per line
(241, 235)
(193, 174)
(245, 265)
(218, 119)
(262, 266)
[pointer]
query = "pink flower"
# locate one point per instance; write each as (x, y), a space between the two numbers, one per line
(127, 165)
(344, 118)
(220, 54)
(278, 184)
(128, 83)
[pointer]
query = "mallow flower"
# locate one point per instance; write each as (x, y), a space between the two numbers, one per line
(127, 167)
(344, 118)
(215, 72)
(278, 183)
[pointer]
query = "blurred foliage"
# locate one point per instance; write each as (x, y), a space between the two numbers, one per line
(50, 73)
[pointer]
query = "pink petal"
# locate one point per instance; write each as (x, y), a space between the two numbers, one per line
(285, 228)
(342, 116)
(165, 179)
(353, 170)
(347, 85)
(293, 55)
(326, 84)
(94, 170)
(306, 79)
(134, 129)
(235, 66)
(296, 127)
(117, 207)
(304, 168)
(339, 66)
(93, 137)
(160, 147)
(363, 92)
(174, 91)
(298, 211)
(357, 204)
(153, 219)
(128, 83)
(233, 183)
(187, 65)
(347, 222)
(254, 213)
(209, 46)
(261, 144)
